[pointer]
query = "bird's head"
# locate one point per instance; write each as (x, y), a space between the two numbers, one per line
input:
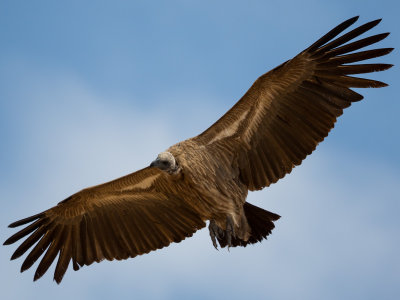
(165, 161)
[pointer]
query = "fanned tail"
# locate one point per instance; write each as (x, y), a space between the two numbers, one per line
(261, 223)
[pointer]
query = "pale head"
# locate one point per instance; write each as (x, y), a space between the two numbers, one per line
(165, 161)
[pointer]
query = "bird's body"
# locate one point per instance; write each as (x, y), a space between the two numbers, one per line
(221, 192)
(281, 119)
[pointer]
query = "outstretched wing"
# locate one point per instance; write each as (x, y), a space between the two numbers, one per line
(133, 215)
(289, 110)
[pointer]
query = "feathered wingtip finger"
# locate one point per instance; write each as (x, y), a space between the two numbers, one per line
(26, 220)
(334, 56)
(333, 33)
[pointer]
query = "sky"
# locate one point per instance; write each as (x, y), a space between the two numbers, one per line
(93, 90)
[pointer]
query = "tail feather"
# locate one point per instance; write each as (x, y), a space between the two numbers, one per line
(261, 223)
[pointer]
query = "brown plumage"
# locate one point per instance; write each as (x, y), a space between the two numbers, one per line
(275, 125)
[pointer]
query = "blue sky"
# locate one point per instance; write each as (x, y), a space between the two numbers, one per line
(92, 90)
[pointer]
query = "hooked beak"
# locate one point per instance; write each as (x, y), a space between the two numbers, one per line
(154, 163)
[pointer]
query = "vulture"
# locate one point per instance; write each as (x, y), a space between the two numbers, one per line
(280, 120)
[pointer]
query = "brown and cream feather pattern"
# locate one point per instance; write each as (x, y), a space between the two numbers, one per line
(289, 110)
(270, 130)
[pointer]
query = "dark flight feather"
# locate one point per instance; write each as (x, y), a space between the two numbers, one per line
(297, 104)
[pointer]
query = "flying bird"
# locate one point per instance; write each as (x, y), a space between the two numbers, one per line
(280, 120)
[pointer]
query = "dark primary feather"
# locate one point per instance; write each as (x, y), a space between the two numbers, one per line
(289, 110)
(347, 37)
(123, 218)
(332, 33)
(25, 221)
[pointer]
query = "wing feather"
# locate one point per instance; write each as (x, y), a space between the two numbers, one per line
(289, 110)
(65, 255)
(124, 218)
(50, 253)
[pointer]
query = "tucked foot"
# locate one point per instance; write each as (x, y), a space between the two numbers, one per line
(224, 237)
(230, 231)
(215, 233)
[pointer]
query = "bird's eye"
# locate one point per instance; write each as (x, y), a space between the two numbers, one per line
(165, 163)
